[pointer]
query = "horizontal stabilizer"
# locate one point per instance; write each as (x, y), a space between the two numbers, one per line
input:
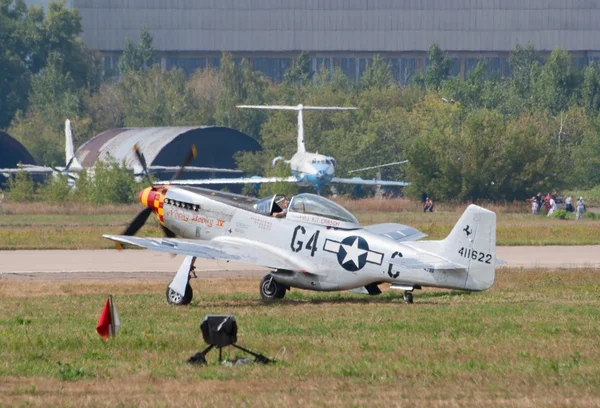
(397, 232)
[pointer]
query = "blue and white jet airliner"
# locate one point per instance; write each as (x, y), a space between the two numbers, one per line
(308, 169)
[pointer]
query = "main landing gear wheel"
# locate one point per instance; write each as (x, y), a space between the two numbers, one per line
(176, 299)
(271, 290)
(408, 298)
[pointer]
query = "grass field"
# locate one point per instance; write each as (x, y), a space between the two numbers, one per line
(531, 341)
(35, 226)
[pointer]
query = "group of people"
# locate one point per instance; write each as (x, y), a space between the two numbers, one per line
(549, 202)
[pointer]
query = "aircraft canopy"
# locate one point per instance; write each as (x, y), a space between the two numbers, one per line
(313, 204)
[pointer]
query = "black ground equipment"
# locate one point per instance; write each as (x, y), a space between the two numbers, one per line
(221, 331)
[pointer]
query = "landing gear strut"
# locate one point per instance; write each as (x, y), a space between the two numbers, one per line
(179, 292)
(271, 290)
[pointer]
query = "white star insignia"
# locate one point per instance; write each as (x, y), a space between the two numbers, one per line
(353, 252)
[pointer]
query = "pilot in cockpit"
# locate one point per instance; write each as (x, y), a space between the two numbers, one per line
(280, 207)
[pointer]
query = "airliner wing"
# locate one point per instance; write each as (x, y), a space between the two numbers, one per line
(30, 169)
(241, 180)
(356, 180)
(175, 169)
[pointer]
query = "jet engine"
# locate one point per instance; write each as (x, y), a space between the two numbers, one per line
(276, 161)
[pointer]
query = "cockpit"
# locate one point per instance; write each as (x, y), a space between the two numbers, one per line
(269, 205)
(309, 208)
(312, 204)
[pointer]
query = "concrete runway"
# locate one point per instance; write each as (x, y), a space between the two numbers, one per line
(143, 264)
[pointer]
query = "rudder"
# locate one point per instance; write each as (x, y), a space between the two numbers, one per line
(472, 242)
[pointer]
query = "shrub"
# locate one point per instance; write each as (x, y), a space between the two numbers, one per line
(21, 188)
(560, 214)
(108, 183)
(55, 190)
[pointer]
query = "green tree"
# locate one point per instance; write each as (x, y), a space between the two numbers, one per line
(522, 61)
(156, 98)
(29, 40)
(287, 189)
(137, 57)
(438, 69)
(241, 85)
(590, 89)
(556, 86)
(378, 74)
(54, 97)
(109, 182)
(300, 72)
(21, 188)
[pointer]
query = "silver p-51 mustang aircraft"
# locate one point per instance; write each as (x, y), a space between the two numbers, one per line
(308, 169)
(317, 244)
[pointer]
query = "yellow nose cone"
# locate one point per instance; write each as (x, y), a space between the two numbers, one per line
(144, 194)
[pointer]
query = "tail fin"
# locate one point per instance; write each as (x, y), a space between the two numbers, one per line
(69, 150)
(70, 159)
(472, 242)
(299, 108)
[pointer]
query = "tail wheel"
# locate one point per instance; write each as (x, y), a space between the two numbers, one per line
(271, 290)
(175, 298)
(408, 298)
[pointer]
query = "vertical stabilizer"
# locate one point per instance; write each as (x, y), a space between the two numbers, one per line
(472, 241)
(300, 147)
(300, 109)
(70, 160)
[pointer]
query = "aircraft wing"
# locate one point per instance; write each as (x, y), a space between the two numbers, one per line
(238, 251)
(241, 180)
(397, 232)
(30, 169)
(358, 180)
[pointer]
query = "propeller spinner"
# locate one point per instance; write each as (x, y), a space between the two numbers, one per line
(153, 197)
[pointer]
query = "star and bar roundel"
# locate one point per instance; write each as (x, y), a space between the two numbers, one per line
(353, 252)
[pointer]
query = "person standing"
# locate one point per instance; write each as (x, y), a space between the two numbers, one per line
(580, 208)
(428, 205)
(551, 206)
(569, 204)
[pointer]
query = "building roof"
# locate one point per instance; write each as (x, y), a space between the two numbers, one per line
(12, 152)
(167, 146)
(343, 25)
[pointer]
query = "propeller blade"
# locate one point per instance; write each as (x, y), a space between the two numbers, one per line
(168, 233)
(138, 222)
(191, 156)
(69, 164)
(142, 160)
(64, 173)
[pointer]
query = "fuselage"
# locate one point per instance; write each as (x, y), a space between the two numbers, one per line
(329, 254)
(312, 169)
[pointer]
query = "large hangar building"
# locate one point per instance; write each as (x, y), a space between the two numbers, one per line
(168, 146)
(12, 152)
(192, 34)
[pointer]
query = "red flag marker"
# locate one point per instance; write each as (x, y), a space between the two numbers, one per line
(109, 322)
